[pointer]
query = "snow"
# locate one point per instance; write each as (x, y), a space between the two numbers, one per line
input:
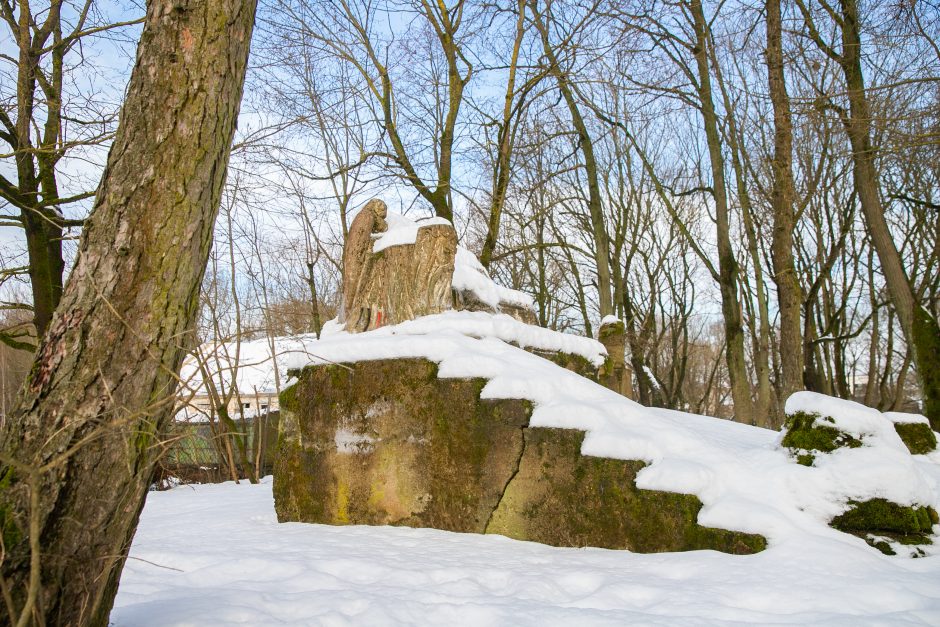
(848, 416)
(471, 276)
(215, 555)
(609, 319)
(745, 479)
(901, 418)
(401, 231)
(256, 362)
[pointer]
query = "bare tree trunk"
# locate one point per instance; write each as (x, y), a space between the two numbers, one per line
(727, 264)
(763, 412)
(595, 205)
(79, 453)
(506, 136)
(919, 325)
(789, 292)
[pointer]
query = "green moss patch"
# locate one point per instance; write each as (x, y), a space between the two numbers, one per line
(878, 519)
(917, 436)
(569, 361)
(563, 498)
(612, 329)
(810, 433)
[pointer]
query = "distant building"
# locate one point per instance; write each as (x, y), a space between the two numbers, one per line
(248, 382)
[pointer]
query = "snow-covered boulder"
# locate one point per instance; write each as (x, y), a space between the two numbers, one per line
(389, 442)
(914, 430)
(880, 491)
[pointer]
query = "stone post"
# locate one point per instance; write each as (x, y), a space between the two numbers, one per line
(615, 374)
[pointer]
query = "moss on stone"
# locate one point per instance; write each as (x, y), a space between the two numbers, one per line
(881, 545)
(805, 459)
(569, 361)
(611, 329)
(388, 442)
(809, 432)
(884, 517)
(917, 436)
(563, 498)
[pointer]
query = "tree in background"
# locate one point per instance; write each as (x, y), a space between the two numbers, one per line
(917, 322)
(49, 116)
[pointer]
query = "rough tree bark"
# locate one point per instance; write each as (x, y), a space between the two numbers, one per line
(918, 325)
(789, 292)
(77, 456)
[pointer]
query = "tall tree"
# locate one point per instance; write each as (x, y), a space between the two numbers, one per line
(542, 21)
(78, 454)
(507, 127)
(789, 291)
(728, 268)
(917, 322)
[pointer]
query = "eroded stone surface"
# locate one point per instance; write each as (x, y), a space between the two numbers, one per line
(387, 442)
(563, 498)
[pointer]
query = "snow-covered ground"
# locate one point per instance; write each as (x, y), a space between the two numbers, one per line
(214, 555)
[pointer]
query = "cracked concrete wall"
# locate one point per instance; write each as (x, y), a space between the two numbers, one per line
(388, 443)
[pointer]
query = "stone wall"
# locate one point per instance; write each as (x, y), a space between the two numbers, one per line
(388, 443)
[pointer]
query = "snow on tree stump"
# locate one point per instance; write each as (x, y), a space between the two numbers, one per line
(399, 282)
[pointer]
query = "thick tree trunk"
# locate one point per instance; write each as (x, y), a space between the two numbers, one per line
(919, 326)
(789, 292)
(727, 264)
(77, 456)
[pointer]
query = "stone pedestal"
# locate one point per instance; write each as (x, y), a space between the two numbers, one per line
(616, 374)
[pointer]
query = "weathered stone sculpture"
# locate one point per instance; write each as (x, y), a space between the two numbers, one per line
(357, 255)
(399, 282)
